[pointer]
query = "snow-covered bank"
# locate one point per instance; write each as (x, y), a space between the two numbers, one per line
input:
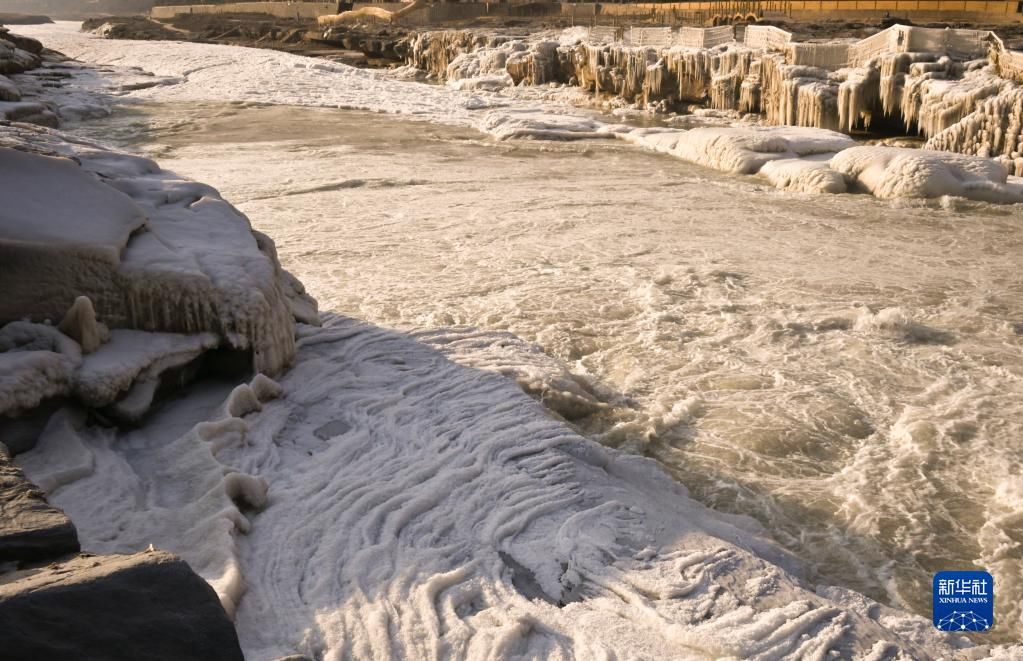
(142, 249)
(208, 73)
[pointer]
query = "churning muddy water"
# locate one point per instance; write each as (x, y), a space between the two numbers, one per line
(844, 369)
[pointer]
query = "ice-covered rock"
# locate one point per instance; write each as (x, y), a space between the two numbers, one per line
(30, 529)
(741, 150)
(80, 324)
(890, 172)
(990, 126)
(132, 357)
(149, 251)
(797, 95)
(37, 362)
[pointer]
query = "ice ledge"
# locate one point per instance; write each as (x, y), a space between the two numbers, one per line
(151, 251)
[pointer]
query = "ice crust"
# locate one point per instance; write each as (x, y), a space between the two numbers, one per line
(412, 507)
(892, 172)
(742, 150)
(148, 250)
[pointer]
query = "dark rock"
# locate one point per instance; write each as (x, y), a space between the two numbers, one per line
(10, 18)
(20, 433)
(150, 605)
(30, 529)
(29, 44)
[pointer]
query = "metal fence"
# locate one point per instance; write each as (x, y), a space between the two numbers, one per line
(867, 49)
(603, 34)
(705, 37)
(663, 36)
(649, 37)
(961, 44)
(825, 56)
(767, 37)
(1010, 65)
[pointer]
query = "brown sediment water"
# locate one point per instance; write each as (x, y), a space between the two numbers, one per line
(845, 370)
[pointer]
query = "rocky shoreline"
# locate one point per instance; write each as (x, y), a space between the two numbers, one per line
(378, 46)
(118, 292)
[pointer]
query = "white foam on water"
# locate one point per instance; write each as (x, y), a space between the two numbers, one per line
(412, 507)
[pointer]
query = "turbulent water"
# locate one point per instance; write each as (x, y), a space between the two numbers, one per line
(846, 370)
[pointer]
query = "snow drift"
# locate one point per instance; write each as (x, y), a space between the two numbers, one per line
(890, 172)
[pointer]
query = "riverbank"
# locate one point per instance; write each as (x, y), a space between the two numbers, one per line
(739, 336)
(7, 18)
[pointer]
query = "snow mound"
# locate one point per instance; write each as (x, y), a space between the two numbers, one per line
(804, 176)
(741, 150)
(148, 250)
(893, 172)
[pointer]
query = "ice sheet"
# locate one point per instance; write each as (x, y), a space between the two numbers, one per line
(418, 508)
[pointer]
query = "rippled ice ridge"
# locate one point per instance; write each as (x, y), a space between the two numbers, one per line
(846, 370)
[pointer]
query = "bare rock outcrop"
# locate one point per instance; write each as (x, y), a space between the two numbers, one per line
(30, 528)
(150, 605)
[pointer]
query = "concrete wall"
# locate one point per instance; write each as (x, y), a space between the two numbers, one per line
(691, 13)
(278, 9)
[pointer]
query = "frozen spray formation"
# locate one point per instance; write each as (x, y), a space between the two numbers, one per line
(146, 250)
(941, 91)
(125, 247)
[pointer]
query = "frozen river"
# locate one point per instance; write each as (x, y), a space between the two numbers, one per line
(848, 371)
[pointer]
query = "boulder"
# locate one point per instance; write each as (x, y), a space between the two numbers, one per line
(30, 529)
(149, 605)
